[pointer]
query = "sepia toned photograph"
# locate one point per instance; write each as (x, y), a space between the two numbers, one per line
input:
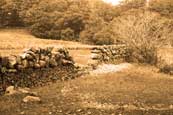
(86, 57)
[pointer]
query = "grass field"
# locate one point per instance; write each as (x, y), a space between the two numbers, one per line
(139, 90)
(15, 41)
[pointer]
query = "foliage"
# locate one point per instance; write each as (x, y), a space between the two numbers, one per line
(97, 32)
(165, 67)
(164, 7)
(132, 4)
(12, 11)
(50, 19)
(143, 32)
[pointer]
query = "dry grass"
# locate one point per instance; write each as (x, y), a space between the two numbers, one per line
(138, 90)
(167, 54)
(14, 41)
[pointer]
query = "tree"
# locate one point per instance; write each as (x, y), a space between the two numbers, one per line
(164, 7)
(49, 18)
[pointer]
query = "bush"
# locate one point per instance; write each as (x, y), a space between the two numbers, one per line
(97, 32)
(165, 67)
(67, 34)
(143, 32)
(164, 7)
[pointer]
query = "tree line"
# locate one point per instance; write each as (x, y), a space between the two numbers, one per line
(88, 21)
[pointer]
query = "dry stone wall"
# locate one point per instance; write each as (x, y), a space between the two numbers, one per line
(36, 58)
(36, 66)
(40, 66)
(109, 54)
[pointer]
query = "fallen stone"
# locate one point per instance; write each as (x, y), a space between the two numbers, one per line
(10, 90)
(31, 99)
(24, 90)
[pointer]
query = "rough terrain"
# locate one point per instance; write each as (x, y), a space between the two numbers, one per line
(124, 89)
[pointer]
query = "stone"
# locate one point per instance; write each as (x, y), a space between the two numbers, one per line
(36, 65)
(10, 90)
(31, 55)
(11, 62)
(92, 62)
(20, 67)
(23, 56)
(25, 63)
(33, 49)
(27, 91)
(67, 62)
(12, 70)
(42, 63)
(31, 99)
(53, 62)
(96, 51)
(95, 56)
(30, 64)
(19, 60)
(42, 57)
(49, 49)
(24, 90)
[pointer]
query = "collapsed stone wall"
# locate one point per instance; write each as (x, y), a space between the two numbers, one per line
(36, 66)
(40, 66)
(109, 54)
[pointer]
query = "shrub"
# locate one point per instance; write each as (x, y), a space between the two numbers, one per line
(67, 34)
(164, 7)
(97, 32)
(165, 67)
(143, 32)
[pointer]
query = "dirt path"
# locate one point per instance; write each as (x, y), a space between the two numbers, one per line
(110, 68)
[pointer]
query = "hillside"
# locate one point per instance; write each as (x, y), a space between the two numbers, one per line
(14, 41)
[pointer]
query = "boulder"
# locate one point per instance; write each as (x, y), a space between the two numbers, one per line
(31, 99)
(10, 90)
